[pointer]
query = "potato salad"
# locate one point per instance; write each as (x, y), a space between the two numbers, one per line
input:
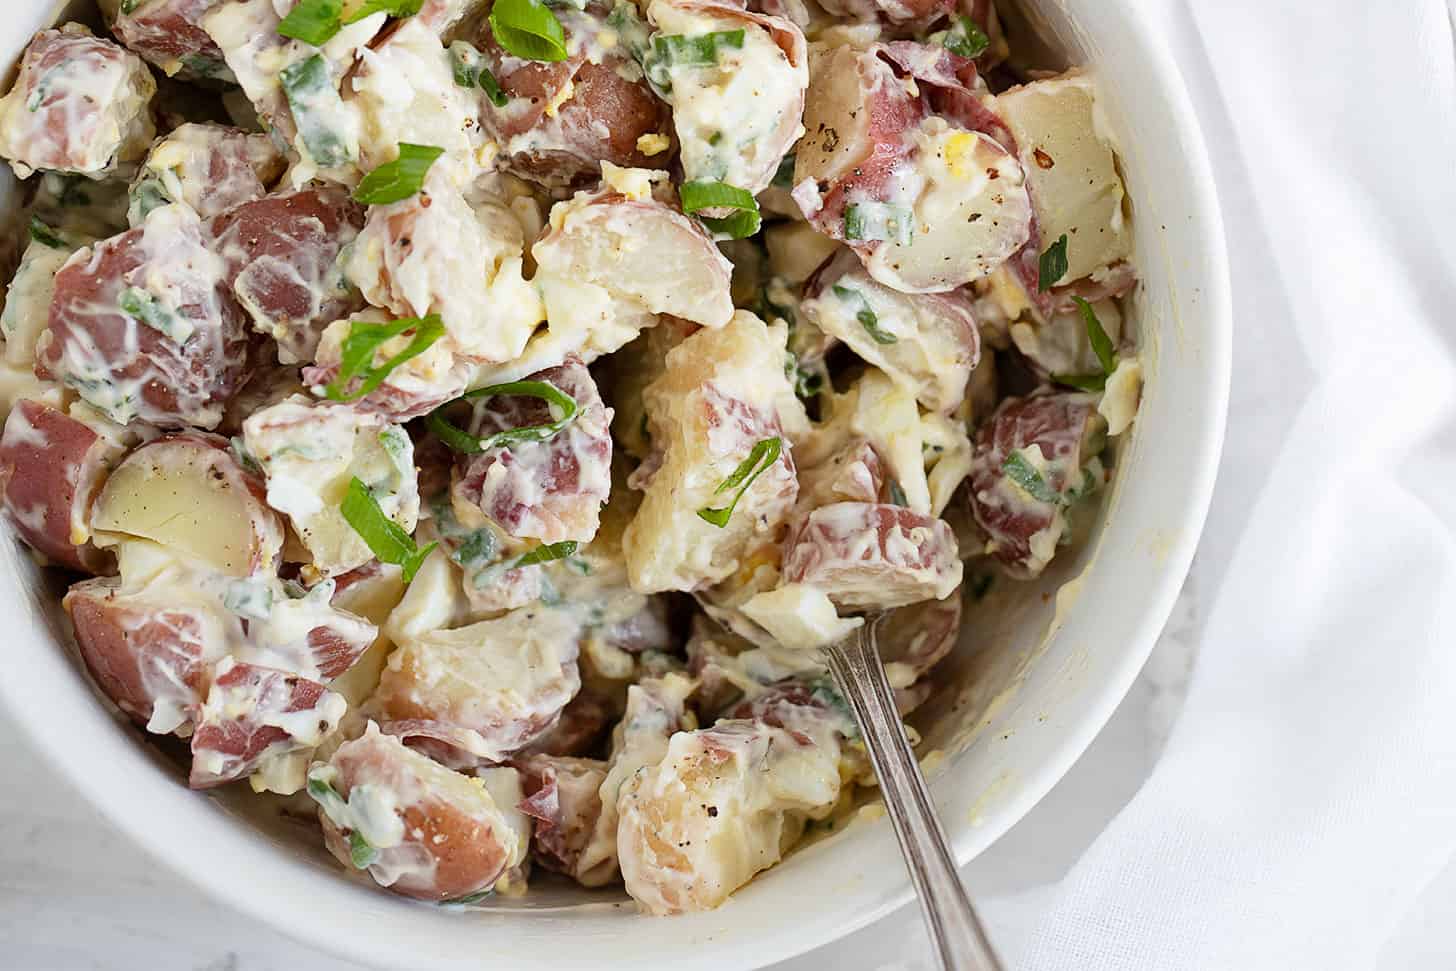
(466, 420)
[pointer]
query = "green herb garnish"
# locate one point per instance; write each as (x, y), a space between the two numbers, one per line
(965, 38)
(1101, 346)
(468, 67)
(547, 554)
(695, 50)
(314, 22)
(763, 455)
(784, 174)
(897, 493)
(527, 29)
(462, 441)
(46, 236)
(361, 853)
(866, 316)
(363, 342)
(1053, 265)
(385, 537)
(1025, 475)
(478, 549)
(705, 194)
(878, 220)
(398, 180)
(315, 103)
(141, 305)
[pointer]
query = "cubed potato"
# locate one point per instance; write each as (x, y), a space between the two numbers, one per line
(488, 689)
(142, 325)
(722, 804)
(187, 492)
(208, 167)
(563, 797)
(52, 465)
(282, 263)
(264, 721)
(928, 343)
(418, 828)
(1071, 167)
(310, 451)
(1061, 345)
(854, 106)
(736, 123)
(796, 250)
(550, 490)
(437, 253)
(169, 34)
(81, 104)
(28, 298)
(724, 393)
(1033, 458)
(309, 635)
(873, 557)
(413, 389)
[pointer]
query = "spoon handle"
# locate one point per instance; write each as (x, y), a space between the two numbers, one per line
(959, 939)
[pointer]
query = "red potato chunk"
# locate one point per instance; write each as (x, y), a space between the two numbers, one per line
(79, 105)
(486, 690)
(583, 724)
(255, 718)
(51, 468)
(564, 118)
(307, 635)
(188, 493)
(869, 556)
(282, 263)
(142, 326)
(552, 490)
(209, 167)
(147, 653)
(412, 390)
(420, 829)
(563, 796)
(169, 34)
(1033, 458)
(896, 12)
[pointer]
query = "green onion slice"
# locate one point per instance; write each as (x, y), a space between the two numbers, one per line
(46, 236)
(527, 29)
(398, 180)
(361, 854)
(1101, 343)
(547, 554)
(763, 455)
(365, 339)
(695, 50)
(314, 22)
(1024, 474)
(395, 8)
(1082, 382)
(468, 66)
(879, 220)
(966, 38)
(1053, 265)
(866, 316)
(141, 305)
(385, 537)
(704, 194)
(462, 441)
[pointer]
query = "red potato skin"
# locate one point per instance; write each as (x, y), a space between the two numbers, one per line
(602, 120)
(131, 648)
(52, 463)
(305, 230)
(818, 544)
(565, 814)
(166, 31)
(180, 384)
(584, 722)
(467, 857)
(242, 739)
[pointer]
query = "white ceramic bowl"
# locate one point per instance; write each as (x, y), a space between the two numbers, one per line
(1024, 697)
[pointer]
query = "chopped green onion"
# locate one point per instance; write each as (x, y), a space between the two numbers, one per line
(471, 445)
(878, 220)
(703, 194)
(141, 305)
(1097, 337)
(395, 8)
(1053, 265)
(1082, 382)
(46, 236)
(527, 29)
(398, 180)
(478, 549)
(1024, 474)
(127, 6)
(897, 493)
(866, 316)
(546, 554)
(364, 341)
(966, 38)
(314, 22)
(696, 50)
(763, 455)
(470, 898)
(784, 174)
(315, 103)
(361, 854)
(385, 537)
(468, 66)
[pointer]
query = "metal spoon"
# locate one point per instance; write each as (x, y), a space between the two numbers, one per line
(960, 941)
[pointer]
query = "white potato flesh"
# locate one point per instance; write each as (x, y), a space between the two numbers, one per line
(796, 250)
(970, 207)
(724, 393)
(208, 167)
(1071, 167)
(488, 689)
(310, 452)
(800, 617)
(188, 493)
(28, 298)
(1061, 345)
(837, 115)
(723, 804)
(927, 343)
(415, 388)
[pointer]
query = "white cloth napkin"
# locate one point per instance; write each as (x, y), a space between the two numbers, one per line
(1308, 793)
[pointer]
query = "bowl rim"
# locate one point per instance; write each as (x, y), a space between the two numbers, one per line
(287, 912)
